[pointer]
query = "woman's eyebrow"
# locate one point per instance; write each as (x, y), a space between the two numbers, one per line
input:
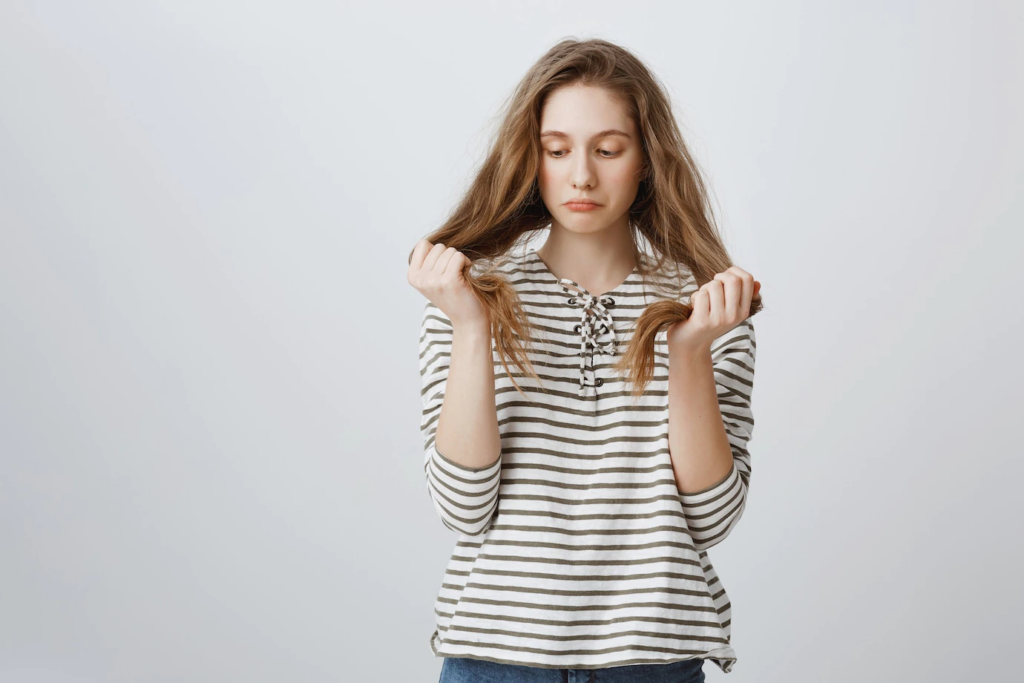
(566, 136)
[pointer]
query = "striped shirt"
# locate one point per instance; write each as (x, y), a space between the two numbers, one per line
(576, 549)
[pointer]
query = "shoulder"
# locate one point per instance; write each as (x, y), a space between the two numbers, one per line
(509, 262)
(670, 280)
(517, 266)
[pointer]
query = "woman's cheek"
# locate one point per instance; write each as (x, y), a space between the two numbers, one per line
(624, 181)
(544, 179)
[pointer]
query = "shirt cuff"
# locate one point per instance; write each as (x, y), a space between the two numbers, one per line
(708, 499)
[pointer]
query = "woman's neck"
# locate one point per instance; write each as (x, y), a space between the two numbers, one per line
(598, 262)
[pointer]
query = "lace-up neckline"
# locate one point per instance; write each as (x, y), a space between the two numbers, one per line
(597, 325)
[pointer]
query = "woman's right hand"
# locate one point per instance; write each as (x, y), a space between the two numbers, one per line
(437, 272)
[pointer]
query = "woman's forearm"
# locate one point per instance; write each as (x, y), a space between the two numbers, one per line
(698, 444)
(467, 428)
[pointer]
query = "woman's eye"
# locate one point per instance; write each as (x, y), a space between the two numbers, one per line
(559, 153)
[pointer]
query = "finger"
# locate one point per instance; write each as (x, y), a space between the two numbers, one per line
(419, 252)
(460, 263)
(450, 260)
(430, 262)
(732, 290)
(749, 287)
(737, 270)
(699, 304)
(716, 301)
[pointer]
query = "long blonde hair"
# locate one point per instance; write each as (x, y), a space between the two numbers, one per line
(672, 211)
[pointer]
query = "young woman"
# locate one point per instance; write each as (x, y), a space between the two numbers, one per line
(586, 405)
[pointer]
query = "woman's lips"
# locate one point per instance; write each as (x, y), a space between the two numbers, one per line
(582, 206)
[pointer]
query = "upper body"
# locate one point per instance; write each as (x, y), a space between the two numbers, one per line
(576, 547)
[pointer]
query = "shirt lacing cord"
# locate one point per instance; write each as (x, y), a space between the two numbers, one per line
(589, 344)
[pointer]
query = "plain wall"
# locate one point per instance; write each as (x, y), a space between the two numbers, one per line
(209, 398)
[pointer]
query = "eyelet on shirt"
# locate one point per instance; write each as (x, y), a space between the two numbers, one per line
(599, 381)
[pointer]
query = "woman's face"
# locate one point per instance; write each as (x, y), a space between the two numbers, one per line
(590, 149)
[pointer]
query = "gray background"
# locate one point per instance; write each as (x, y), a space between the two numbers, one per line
(211, 466)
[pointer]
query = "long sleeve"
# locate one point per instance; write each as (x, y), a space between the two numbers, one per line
(464, 497)
(713, 513)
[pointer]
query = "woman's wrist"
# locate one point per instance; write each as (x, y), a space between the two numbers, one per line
(685, 344)
(472, 330)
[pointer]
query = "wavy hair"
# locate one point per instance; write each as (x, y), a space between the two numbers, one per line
(672, 211)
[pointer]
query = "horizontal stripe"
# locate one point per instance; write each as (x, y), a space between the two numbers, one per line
(570, 623)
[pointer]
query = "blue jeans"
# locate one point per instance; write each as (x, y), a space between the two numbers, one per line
(468, 670)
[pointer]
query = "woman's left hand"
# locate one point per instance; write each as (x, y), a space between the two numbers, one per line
(718, 306)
